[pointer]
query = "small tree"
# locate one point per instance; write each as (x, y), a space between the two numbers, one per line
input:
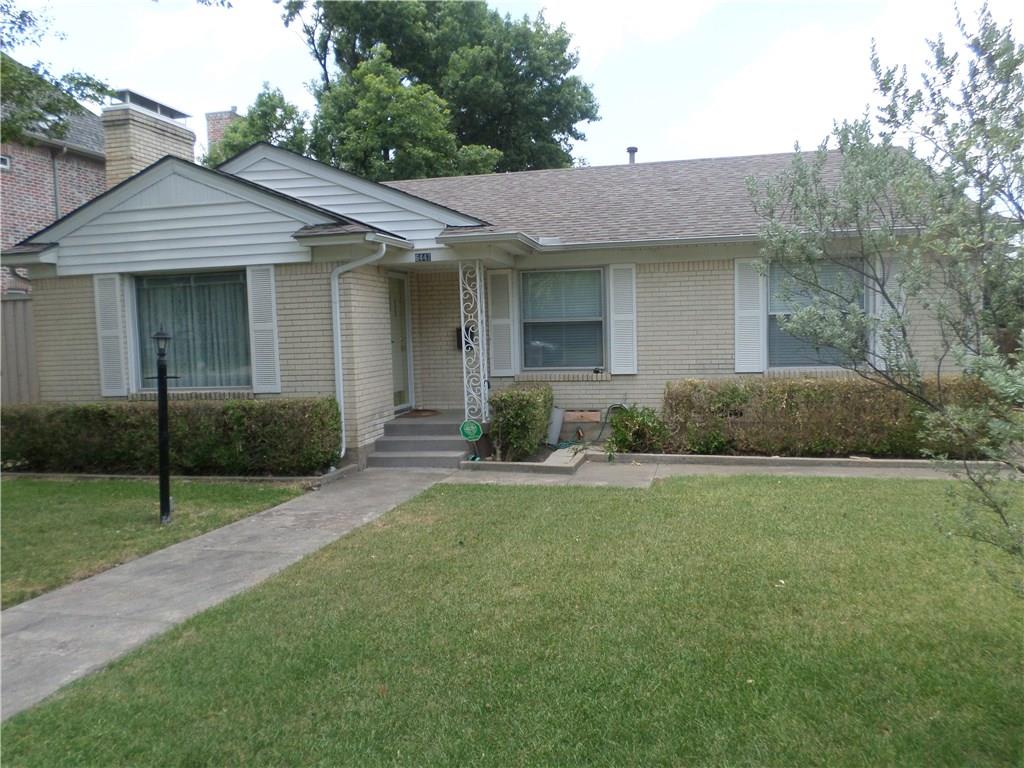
(271, 118)
(874, 241)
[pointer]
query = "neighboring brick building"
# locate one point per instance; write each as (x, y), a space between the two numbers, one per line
(41, 182)
(217, 123)
(45, 180)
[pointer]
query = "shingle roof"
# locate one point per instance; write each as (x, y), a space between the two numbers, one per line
(85, 131)
(676, 199)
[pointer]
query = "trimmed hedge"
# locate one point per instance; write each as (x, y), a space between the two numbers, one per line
(208, 437)
(519, 420)
(801, 417)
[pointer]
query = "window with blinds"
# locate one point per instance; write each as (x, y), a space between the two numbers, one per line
(786, 294)
(563, 319)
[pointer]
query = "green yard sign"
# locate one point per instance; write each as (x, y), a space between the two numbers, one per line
(471, 430)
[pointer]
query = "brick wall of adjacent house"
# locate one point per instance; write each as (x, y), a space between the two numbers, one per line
(27, 199)
(437, 361)
(135, 139)
(67, 352)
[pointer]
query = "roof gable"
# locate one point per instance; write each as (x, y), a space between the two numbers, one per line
(344, 193)
(176, 215)
(193, 180)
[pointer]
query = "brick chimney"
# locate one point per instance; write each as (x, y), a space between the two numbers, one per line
(217, 123)
(138, 131)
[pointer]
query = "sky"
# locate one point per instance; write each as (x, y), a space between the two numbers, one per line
(678, 79)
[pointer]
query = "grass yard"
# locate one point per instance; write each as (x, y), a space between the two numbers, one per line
(744, 621)
(59, 531)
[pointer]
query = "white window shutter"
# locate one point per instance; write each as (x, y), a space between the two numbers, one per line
(622, 306)
(751, 319)
(110, 335)
(880, 309)
(501, 326)
(266, 373)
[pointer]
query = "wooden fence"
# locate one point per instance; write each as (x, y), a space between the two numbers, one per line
(19, 381)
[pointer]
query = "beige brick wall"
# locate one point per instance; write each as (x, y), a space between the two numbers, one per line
(304, 333)
(437, 361)
(67, 352)
(305, 343)
(366, 333)
(135, 140)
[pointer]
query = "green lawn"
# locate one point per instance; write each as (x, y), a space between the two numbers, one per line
(750, 621)
(58, 531)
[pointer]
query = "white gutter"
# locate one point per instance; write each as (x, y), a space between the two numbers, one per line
(339, 379)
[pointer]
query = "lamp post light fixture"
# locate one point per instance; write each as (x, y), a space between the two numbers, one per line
(162, 339)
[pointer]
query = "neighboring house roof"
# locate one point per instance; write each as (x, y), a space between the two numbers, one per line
(683, 199)
(84, 134)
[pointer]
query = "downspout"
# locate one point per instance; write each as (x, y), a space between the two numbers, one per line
(339, 379)
(56, 183)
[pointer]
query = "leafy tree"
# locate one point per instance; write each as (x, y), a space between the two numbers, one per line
(935, 233)
(376, 124)
(508, 82)
(36, 101)
(271, 118)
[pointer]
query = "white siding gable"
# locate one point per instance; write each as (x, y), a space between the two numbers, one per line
(181, 217)
(345, 194)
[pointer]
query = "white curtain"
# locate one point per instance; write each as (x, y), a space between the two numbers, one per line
(207, 316)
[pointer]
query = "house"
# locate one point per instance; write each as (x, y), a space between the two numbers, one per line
(280, 276)
(48, 178)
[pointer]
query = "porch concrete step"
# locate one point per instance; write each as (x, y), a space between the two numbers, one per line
(409, 443)
(432, 427)
(446, 459)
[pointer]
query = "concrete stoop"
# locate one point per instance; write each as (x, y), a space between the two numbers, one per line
(411, 441)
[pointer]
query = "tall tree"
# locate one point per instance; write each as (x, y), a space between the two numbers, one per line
(376, 124)
(938, 235)
(271, 118)
(35, 100)
(508, 83)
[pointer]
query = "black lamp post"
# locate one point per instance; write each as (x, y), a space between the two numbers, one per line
(162, 339)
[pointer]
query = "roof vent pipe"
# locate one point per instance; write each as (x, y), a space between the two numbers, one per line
(632, 154)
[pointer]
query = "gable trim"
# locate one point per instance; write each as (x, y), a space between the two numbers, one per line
(406, 200)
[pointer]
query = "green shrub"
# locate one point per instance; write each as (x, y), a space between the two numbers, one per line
(801, 417)
(637, 429)
(208, 437)
(519, 420)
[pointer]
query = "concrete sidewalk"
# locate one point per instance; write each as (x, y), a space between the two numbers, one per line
(644, 474)
(66, 634)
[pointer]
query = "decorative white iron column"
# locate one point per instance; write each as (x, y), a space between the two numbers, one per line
(474, 339)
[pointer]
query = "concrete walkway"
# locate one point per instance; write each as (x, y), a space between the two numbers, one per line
(643, 475)
(66, 634)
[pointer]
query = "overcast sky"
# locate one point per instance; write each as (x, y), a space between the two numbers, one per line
(679, 79)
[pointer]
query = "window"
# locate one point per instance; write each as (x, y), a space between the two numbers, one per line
(563, 319)
(5, 162)
(207, 315)
(785, 295)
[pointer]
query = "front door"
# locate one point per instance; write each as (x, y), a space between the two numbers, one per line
(398, 299)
